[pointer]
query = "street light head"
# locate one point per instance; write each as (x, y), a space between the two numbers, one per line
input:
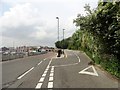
(57, 17)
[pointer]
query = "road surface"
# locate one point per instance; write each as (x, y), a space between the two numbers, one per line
(48, 71)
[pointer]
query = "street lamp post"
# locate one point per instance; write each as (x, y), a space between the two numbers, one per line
(63, 40)
(58, 27)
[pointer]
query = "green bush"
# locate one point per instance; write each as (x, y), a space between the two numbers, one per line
(97, 60)
(99, 35)
(111, 65)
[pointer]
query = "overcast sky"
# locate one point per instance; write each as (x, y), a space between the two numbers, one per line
(33, 22)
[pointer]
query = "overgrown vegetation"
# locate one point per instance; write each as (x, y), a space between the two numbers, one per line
(98, 36)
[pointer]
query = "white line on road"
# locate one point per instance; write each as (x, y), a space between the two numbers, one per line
(52, 66)
(70, 64)
(77, 57)
(42, 79)
(51, 74)
(39, 62)
(25, 73)
(52, 69)
(84, 71)
(46, 69)
(50, 78)
(45, 59)
(50, 85)
(66, 65)
(49, 62)
(45, 72)
(38, 85)
(66, 54)
(44, 75)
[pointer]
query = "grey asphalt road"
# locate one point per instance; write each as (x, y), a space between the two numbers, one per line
(11, 70)
(48, 71)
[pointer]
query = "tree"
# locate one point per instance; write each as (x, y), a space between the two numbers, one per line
(99, 35)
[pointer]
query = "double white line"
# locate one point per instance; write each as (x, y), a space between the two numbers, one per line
(39, 85)
(50, 84)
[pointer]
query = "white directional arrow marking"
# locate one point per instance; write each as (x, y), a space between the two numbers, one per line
(90, 73)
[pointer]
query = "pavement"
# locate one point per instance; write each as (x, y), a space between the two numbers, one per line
(50, 71)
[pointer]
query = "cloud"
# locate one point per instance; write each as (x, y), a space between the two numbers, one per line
(72, 1)
(35, 23)
(23, 22)
(39, 34)
(20, 15)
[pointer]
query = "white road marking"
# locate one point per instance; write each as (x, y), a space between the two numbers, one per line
(39, 62)
(77, 57)
(51, 74)
(50, 78)
(66, 65)
(50, 85)
(42, 79)
(25, 73)
(62, 56)
(66, 55)
(52, 69)
(38, 85)
(53, 66)
(50, 62)
(45, 59)
(46, 69)
(70, 64)
(90, 73)
(45, 72)
(44, 75)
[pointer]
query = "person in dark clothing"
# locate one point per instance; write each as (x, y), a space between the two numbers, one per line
(59, 53)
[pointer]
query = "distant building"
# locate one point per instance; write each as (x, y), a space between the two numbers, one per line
(22, 49)
(4, 49)
(12, 49)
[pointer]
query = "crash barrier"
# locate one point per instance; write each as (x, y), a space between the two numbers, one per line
(36, 53)
(6, 57)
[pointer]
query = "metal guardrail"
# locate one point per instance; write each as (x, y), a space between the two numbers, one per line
(7, 57)
(36, 53)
